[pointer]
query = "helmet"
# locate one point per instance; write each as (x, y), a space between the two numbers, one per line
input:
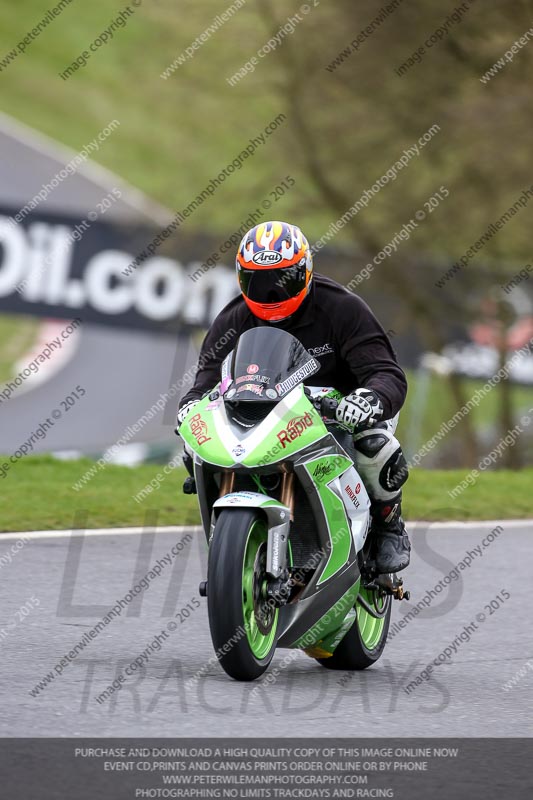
(274, 269)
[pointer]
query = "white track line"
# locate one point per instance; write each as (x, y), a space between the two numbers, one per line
(176, 529)
(484, 523)
(6, 537)
(90, 170)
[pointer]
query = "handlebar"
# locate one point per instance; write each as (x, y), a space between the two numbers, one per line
(328, 407)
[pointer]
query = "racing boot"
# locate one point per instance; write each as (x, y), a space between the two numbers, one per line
(390, 536)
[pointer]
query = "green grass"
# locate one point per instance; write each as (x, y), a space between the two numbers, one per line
(175, 134)
(429, 405)
(16, 336)
(426, 495)
(37, 495)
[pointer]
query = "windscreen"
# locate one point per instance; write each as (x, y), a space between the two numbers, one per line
(266, 364)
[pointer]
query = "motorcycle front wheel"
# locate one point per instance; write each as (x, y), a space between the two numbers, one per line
(242, 622)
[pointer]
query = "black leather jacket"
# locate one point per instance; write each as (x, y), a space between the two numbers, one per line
(338, 329)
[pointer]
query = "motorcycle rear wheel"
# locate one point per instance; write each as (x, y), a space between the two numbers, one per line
(243, 624)
(364, 643)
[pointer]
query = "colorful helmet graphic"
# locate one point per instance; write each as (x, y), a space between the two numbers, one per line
(274, 269)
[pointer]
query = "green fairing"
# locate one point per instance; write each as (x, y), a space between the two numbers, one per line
(212, 450)
(331, 640)
(328, 625)
(272, 449)
(338, 523)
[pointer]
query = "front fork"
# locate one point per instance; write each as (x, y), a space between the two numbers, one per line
(278, 535)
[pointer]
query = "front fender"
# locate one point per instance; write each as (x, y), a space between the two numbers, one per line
(278, 518)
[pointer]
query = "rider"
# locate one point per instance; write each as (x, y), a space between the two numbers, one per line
(275, 273)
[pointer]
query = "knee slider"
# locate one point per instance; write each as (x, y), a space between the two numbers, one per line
(394, 472)
(370, 445)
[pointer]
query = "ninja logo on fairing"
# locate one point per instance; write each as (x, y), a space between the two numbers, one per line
(322, 470)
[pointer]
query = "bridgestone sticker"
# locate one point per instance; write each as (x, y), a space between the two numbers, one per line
(297, 377)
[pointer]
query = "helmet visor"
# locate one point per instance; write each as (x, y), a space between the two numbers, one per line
(272, 285)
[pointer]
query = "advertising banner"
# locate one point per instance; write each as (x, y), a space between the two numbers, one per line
(65, 267)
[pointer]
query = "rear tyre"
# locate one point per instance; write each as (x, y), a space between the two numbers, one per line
(365, 641)
(243, 625)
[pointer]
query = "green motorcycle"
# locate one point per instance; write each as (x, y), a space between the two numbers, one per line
(286, 516)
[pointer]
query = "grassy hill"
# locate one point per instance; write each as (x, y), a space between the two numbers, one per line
(175, 134)
(108, 500)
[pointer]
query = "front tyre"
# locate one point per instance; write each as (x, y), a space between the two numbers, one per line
(243, 625)
(364, 643)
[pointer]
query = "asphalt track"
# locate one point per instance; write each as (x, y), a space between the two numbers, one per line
(464, 696)
(123, 373)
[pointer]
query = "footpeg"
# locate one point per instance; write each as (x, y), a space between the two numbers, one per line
(390, 584)
(202, 589)
(393, 585)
